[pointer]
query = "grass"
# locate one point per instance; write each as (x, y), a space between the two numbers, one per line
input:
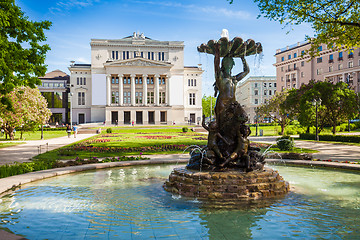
(267, 130)
(9, 144)
(295, 150)
(37, 135)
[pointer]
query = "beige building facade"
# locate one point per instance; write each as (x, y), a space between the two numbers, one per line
(294, 67)
(136, 80)
(255, 91)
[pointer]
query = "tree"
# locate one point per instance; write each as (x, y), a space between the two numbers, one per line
(337, 103)
(276, 109)
(29, 110)
(22, 57)
(336, 22)
(207, 103)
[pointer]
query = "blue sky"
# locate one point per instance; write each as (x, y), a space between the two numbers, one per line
(75, 22)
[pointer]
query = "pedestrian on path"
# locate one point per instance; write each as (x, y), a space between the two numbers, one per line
(68, 130)
(75, 129)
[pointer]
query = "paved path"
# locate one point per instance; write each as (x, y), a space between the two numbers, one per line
(24, 152)
(331, 151)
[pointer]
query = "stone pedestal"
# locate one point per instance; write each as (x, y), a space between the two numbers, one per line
(232, 185)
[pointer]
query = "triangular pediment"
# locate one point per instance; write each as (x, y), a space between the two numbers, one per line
(137, 62)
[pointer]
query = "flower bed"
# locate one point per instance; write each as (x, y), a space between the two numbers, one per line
(329, 160)
(156, 137)
(155, 148)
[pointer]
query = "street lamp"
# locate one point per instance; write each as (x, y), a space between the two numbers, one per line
(316, 102)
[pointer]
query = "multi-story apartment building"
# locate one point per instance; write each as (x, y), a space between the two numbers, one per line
(136, 79)
(54, 87)
(294, 67)
(253, 92)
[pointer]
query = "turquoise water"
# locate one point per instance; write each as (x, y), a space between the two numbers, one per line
(129, 203)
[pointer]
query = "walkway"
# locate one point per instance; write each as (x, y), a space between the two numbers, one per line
(327, 151)
(24, 152)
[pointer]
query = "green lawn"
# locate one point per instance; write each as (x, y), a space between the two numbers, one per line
(267, 130)
(37, 135)
(9, 144)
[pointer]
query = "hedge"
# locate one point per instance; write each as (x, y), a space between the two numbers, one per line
(333, 138)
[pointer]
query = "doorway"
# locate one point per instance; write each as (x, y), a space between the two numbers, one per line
(81, 118)
(114, 117)
(192, 117)
(151, 118)
(127, 117)
(139, 117)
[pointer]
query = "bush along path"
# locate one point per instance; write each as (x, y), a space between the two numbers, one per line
(38, 165)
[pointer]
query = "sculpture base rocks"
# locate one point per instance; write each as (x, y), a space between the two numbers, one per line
(223, 186)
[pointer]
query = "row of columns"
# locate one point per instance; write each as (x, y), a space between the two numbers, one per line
(132, 90)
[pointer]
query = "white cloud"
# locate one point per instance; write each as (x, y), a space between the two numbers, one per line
(68, 5)
(207, 10)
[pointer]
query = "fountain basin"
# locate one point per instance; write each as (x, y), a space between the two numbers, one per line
(231, 185)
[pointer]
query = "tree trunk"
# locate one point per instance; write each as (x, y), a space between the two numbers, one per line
(308, 129)
(334, 129)
(10, 132)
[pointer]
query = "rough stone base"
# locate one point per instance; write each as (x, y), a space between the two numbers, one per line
(231, 185)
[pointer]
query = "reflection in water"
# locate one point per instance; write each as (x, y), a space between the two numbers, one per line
(130, 203)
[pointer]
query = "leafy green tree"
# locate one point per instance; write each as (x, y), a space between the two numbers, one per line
(22, 57)
(207, 103)
(276, 109)
(336, 22)
(29, 111)
(337, 103)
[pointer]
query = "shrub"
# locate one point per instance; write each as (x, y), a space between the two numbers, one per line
(185, 129)
(66, 152)
(109, 130)
(285, 143)
(333, 138)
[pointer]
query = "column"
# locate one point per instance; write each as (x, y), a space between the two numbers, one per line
(167, 87)
(156, 93)
(121, 90)
(108, 90)
(132, 89)
(145, 89)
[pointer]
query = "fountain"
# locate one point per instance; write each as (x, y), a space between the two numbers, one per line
(228, 168)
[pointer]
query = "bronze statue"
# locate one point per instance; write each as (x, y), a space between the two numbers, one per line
(228, 146)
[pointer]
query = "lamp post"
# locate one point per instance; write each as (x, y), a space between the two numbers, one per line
(71, 94)
(316, 102)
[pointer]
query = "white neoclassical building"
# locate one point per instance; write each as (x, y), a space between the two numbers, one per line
(136, 79)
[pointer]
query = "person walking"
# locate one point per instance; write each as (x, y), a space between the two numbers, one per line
(75, 129)
(68, 130)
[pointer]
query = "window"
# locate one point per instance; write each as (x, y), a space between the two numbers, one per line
(113, 80)
(162, 97)
(265, 91)
(256, 92)
(269, 84)
(330, 68)
(331, 57)
(84, 82)
(350, 64)
(162, 81)
(340, 66)
(282, 79)
(256, 85)
(302, 63)
(274, 84)
(270, 92)
(319, 60)
(295, 55)
(150, 80)
(351, 53)
(77, 81)
(320, 49)
(127, 97)
(264, 84)
(195, 82)
(138, 97)
(191, 98)
(115, 97)
(294, 66)
(302, 74)
(189, 82)
(150, 97)
(282, 59)
(282, 69)
(256, 101)
(318, 71)
(126, 55)
(127, 80)
(81, 98)
(192, 82)
(302, 52)
(340, 56)
(289, 56)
